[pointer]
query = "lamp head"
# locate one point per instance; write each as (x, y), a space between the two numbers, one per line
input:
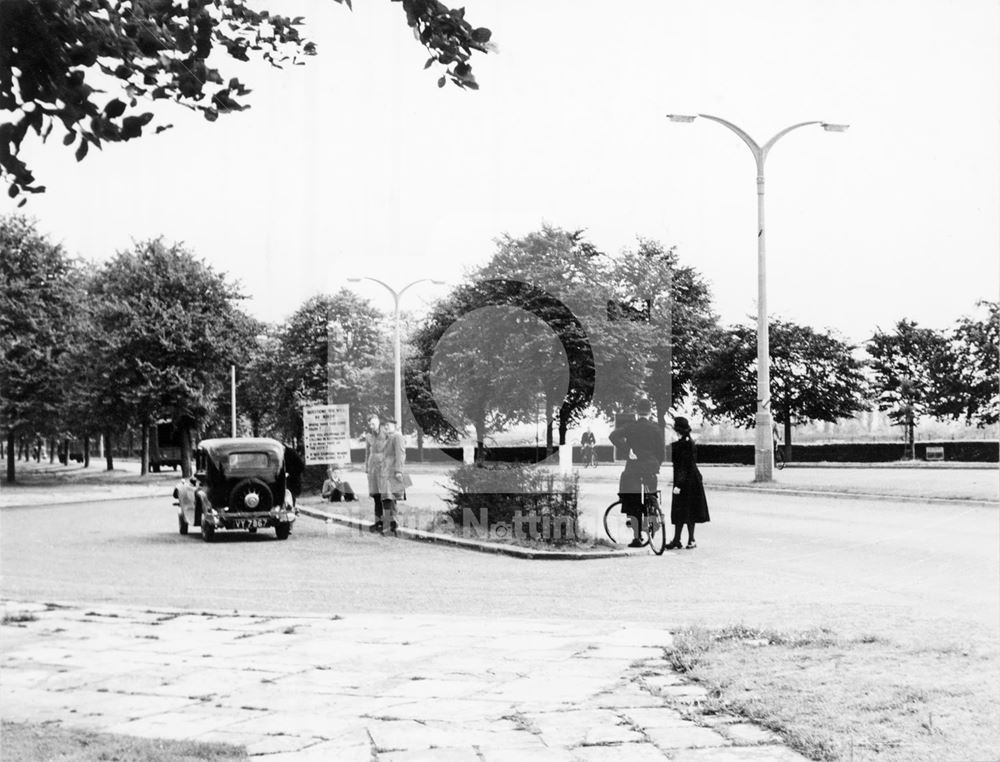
(681, 117)
(830, 127)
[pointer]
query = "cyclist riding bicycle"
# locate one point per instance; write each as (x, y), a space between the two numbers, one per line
(643, 439)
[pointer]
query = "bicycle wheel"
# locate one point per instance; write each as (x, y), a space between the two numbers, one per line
(616, 525)
(657, 530)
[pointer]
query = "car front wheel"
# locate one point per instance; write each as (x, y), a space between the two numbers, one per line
(282, 530)
(207, 531)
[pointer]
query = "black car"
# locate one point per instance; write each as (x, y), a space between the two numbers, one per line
(238, 484)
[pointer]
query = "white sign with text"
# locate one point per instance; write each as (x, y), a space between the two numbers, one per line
(327, 434)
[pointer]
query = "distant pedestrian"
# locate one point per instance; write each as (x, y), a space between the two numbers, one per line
(392, 478)
(688, 505)
(374, 439)
(335, 488)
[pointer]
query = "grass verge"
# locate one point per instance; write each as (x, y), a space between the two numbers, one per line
(34, 742)
(836, 698)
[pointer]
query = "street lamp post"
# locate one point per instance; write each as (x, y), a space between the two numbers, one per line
(764, 455)
(396, 295)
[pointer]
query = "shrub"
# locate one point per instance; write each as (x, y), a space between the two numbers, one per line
(508, 501)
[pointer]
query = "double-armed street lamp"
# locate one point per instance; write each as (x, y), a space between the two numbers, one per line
(396, 295)
(764, 456)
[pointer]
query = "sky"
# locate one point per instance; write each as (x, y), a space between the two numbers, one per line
(357, 164)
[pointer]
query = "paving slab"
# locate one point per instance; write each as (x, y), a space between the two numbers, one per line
(364, 686)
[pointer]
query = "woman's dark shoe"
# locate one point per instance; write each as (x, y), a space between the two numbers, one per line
(691, 545)
(636, 544)
(392, 527)
(675, 545)
(376, 527)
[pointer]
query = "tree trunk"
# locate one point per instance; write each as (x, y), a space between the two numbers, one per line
(480, 441)
(108, 456)
(144, 449)
(548, 426)
(65, 452)
(420, 445)
(10, 456)
(38, 450)
(563, 424)
(186, 456)
(52, 451)
(86, 450)
(788, 437)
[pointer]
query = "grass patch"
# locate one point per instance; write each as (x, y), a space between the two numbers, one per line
(34, 742)
(860, 698)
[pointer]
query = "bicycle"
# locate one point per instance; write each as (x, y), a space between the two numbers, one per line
(779, 457)
(616, 523)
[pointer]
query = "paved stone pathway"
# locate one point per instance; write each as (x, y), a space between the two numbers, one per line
(365, 687)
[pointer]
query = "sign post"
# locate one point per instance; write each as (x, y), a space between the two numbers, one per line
(327, 434)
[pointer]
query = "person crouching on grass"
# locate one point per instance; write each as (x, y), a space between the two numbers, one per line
(392, 481)
(688, 504)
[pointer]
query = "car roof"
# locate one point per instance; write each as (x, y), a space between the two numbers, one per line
(222, 447)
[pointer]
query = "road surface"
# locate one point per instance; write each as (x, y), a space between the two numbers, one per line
(914, 572)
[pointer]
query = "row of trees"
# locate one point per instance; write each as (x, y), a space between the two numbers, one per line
(94, 350)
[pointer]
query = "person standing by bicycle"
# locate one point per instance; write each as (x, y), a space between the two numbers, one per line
(687, 504)
(641, 439)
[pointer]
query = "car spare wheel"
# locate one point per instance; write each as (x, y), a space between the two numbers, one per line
(251, 495)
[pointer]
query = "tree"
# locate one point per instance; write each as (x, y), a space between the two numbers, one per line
(975, 381)
(39, 291)
(87, 64)
(167, 330)
(814, 376)
(668, 307)
(912, 367)
(313, 364)
(484, 359)
(631, 307)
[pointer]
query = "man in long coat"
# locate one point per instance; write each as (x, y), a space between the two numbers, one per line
(374, 441)
(391, 482)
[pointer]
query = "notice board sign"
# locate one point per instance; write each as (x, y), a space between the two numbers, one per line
(327, 435)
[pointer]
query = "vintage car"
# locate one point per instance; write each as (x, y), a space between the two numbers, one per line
(238, 484)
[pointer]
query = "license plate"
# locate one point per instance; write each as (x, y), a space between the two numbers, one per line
(249, 523)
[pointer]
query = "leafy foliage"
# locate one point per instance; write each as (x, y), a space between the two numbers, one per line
(512, 502)
(39, 294)
(674, 332)
(814, 376)
(976, 343)
(913, 370)
(93, 66)
(166, 329)
(309, 365)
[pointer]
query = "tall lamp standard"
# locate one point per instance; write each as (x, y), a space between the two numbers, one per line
(764, 455)
(396, 295)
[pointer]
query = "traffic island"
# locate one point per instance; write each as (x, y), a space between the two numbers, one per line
(583, 552)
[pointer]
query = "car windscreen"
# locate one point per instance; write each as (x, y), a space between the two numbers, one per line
(242, 461)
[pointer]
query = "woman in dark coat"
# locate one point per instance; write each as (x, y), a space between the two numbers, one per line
(688, 504)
